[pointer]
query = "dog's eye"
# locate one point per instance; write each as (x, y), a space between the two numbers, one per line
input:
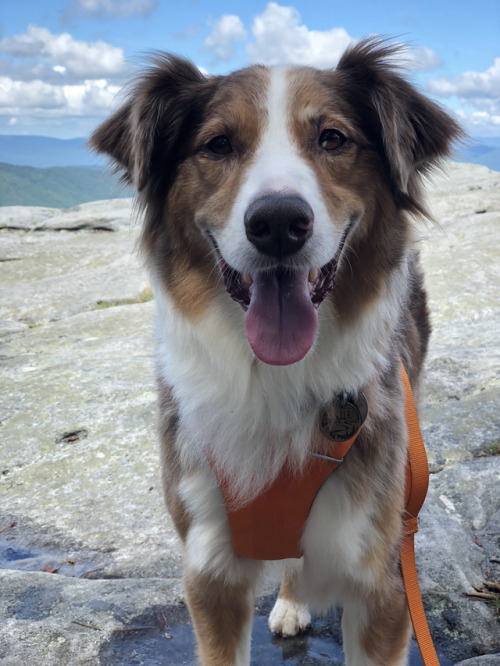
(219, 145)
(331, 139)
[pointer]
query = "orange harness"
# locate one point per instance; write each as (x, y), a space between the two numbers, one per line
(270, 526)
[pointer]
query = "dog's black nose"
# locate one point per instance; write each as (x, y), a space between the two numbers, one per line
(278, 225)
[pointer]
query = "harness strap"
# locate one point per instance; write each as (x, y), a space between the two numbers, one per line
(270, 526)
(417, 481)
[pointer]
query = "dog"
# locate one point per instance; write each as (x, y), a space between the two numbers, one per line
(279, 207)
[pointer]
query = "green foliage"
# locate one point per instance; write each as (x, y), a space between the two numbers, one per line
(57, 187)
(492, 449)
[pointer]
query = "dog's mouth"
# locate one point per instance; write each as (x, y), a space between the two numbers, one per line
(280, 305)
(241, 286)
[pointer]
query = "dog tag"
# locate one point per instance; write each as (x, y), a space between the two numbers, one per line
(342, 418)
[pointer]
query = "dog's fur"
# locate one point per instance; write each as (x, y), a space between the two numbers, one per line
(352, 143)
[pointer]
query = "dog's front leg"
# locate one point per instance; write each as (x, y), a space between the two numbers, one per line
(220, 587)
(289, 616)
(222, 614)
(376, 629)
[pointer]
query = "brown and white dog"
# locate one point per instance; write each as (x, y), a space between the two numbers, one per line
(278, 206)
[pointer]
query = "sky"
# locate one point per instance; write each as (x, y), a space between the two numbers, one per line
(63, 63)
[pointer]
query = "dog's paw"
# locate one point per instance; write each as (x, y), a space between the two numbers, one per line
(288, 618)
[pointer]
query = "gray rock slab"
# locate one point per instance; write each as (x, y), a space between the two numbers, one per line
(457, 544)
(463, 190)
(485, 660)
(79, 457)
(25, 217)
(80, 492)
(107, 215)
(51, 275)
(461, 258)
(459, 411)
(57, 621)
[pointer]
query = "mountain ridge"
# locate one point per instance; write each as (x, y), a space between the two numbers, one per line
(44, 152)
(61, 173)
(58, 187)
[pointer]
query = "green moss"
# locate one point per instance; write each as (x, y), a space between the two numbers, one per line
(145, 296)
(492, 449)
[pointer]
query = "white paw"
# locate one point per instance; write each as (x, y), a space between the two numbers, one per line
(288, 618)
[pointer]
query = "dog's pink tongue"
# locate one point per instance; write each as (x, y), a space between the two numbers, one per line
(281, 321)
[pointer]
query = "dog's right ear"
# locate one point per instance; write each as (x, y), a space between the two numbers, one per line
(158, 106)
(412, 133)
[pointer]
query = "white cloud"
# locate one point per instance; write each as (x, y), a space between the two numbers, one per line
(280, 38)
(421, 58)
(470, 84)
(480, 122)
(98, 96)
(478, 94)
(53, 76)
(117, 8)
(78, 58)
(480, 113)
(16, 95)
(225, 32)
(91, 98)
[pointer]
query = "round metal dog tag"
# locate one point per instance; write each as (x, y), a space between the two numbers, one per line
(342, 418)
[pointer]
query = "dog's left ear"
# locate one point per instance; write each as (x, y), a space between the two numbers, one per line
(153, 120)
(413, 132)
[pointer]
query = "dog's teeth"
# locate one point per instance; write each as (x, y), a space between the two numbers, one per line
(310, 286)
(247, 279)
(250, 289)
(313, 274)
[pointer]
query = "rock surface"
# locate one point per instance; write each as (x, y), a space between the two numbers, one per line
(86, 547)
(111, 215)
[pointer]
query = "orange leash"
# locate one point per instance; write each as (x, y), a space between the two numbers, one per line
(417, 481)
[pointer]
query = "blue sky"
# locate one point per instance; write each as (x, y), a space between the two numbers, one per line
(63, 62)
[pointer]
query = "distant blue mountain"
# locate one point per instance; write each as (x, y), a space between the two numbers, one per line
(43, 152)
(485, 151)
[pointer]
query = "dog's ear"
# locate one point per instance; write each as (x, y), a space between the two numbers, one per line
(413, 132)
(151, 120)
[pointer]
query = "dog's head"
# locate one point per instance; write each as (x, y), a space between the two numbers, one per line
(286, 181)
